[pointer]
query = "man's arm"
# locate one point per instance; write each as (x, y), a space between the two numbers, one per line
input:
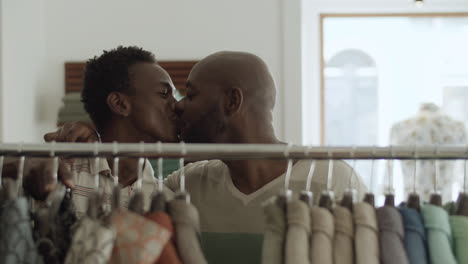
(74, 132)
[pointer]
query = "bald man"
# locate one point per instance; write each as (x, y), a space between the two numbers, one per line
(230, 99)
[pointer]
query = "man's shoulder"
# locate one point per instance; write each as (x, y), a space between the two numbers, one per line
(197, 172)
(302, 168)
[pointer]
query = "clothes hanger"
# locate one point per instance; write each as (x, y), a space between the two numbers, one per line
(306, 195)
(390, 195)
(159, 200)
(2, 158)
(348, 196)
(369, 197)
(326, 197)
(95, 201)
(46, 215)
(182, 194)
(413, 197)
(136, 203)
(284, 197)
(436, 198)
(116, 204)
(12, 187)
(462, 201)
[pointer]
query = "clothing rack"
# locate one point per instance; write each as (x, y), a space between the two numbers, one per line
(233, 151)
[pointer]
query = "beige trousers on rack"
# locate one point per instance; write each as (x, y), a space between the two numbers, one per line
(274, 237)
(187, 231)
(298, 232)
(343, 241)
(322, 236)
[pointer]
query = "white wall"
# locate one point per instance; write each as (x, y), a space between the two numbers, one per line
(310, 42)
(174, 30)
(283, 32)
(22, 58)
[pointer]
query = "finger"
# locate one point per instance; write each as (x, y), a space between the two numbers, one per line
(65, 175)
(72, 137)
(51, 136)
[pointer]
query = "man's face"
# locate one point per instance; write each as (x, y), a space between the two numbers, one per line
(152, 102)
(201, 114)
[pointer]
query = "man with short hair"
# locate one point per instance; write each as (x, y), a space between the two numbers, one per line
(230, 99)
(128, 96)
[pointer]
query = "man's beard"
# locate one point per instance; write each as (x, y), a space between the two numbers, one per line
(206, 129)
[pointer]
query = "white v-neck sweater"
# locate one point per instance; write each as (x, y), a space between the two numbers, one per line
(224, 209)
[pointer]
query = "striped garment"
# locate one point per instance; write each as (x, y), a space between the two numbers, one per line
(83, 178)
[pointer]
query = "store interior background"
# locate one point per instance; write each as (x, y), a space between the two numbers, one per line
(413, 57)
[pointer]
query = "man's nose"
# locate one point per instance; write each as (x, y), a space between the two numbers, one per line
(179, 107)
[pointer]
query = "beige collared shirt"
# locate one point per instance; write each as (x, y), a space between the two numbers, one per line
(84, 180)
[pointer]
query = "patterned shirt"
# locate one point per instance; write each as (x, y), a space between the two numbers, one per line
(83, 178)
(429, 127)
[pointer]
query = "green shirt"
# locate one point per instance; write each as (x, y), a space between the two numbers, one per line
(439, 234)
(169, 166)
(459, 225)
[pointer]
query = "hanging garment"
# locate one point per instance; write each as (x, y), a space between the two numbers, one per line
(298, 233)
(459, 225)
(229, 211)
(415, 236)
(343, 240)
(92, 243)
(233, 223)
(138, 240)
(439, 234)
(274, 237)
(54, 245)
(187, 231)
(169, 252)
(366, 238)
(84, 185)
(391, 234)
(322, 228)
(430, 126)
(16, 241)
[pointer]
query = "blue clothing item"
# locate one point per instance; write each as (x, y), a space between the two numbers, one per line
(415, 236)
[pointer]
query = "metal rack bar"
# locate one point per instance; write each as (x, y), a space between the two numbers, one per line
(232, 151)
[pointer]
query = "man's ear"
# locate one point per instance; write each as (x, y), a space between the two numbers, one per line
(235, 98)
(119, 104)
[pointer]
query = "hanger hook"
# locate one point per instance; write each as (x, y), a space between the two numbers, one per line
(141, 163)
(1, 169)
(160, 168)
(437, 168)
(20, 166)
(330, 170)
(115, 151)
(96, 165)
(311, 171)
(371, 182)
(182, 166)
(390, 189)
(465, 187)
(289, 168)
(416, 163)
(352, 154)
